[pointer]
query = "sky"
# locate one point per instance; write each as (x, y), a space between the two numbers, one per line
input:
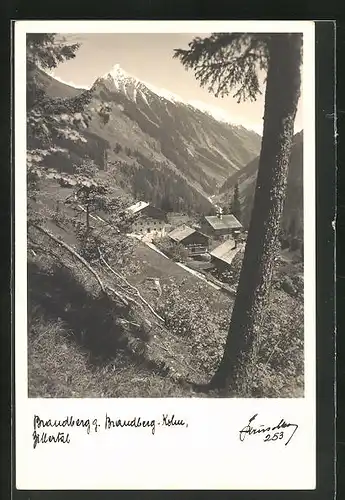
(149, 57)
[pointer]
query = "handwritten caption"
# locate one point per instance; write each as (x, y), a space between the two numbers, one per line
(281, 431)
(48, 431)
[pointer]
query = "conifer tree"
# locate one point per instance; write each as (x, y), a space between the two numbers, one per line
(236, 205)
(50, 118)
(225, 62)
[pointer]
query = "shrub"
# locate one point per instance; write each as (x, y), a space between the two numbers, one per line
(295, 244)
(114, 247)
(59, 368)
(175, 251)
(277, 370)
(231, 276)
(193, 316)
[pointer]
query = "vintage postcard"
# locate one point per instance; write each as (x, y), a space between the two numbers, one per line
(165, 255)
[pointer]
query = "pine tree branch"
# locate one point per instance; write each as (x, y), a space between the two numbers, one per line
(226, 61)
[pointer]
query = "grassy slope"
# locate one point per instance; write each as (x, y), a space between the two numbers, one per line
(54, 375)
(59, 368)
(63, 364)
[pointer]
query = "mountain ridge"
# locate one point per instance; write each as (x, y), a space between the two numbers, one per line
(161, 135)
(119, 74)
(246, 180)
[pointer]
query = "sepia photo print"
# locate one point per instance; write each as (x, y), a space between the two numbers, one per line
(165, 226)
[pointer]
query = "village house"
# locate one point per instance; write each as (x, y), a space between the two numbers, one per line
(150, 221)
(221, 226)
(194, 241)
(222, 255)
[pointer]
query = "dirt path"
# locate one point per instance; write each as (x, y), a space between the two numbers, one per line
(198, 275)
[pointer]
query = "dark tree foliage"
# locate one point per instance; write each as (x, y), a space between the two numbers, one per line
(235, 207)
(46, 51)
(104, 113)
(226, 62)
(118, 148)
(50, 119)
(153, 182)
(54, 125)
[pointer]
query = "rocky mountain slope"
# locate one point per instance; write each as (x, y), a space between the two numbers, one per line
(246, 179)
(55, 88)
(160, 148)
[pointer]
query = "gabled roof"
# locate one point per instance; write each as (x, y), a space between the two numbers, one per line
(226, 251)
(223, 222)
(181, 232)
(137, 207)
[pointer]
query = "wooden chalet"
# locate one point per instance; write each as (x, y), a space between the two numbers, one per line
(221, 226)
(222, 255)
(150, 219)
(193, 240)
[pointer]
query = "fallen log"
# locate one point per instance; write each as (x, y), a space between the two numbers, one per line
(118, 275)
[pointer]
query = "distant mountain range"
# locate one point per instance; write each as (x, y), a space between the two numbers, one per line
(162, 149)
(246, 179)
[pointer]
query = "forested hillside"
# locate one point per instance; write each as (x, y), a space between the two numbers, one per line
(177, 154)
(246, 180)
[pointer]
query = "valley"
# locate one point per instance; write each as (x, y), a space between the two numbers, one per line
(162, 150)
(125, 317)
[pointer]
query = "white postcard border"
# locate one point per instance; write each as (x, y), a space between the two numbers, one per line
(209, 454)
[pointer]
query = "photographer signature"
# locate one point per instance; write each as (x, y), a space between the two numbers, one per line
(274, 433)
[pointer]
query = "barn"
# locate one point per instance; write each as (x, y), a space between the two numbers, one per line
(193, 240)
(150, 220)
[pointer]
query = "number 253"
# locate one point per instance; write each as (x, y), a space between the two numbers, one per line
(274, 437)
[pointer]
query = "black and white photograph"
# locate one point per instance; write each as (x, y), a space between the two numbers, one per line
(165, 240)
(165, 255)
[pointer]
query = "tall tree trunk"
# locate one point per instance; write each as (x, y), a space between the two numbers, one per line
(281, 99)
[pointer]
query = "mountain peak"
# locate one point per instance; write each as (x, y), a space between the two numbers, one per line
(129, 85)
(124, 81)
(117, 73)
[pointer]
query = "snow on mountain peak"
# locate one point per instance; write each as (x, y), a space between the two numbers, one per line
(129, 84)
(117, 73)
(123, 81)
(166, 94)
